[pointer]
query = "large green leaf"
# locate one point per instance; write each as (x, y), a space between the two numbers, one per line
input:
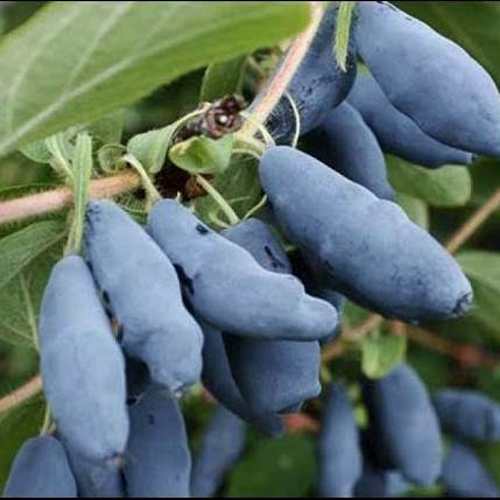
(20, 248)
(74, 62)
(473, 25)
(483, 270)
(447, 186)
(281, 467)
(20, 299)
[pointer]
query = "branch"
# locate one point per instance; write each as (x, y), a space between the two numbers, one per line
(473, 223)
(51, 201)
(21, 394)
(267, 100)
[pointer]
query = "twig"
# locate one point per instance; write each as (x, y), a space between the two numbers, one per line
(56, 199)
(21, 394)
(473, 223)
(267, 100)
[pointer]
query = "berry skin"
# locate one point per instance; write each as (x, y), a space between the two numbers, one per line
(397, 133)
(468, 414)
(226, 287)
(158, 461)
(218, 379)
(274, 376)
(465, 476)
(318, 86)
(412, 64)
(95, 479)
(379, 483)
(223, 443)
(41, 470)
(368, 248)
(345, 143)
(339, 453)
(404, 428)
(82, 366)
(144, 296)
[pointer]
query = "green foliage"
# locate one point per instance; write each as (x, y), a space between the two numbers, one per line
(449, 186)
(202, 155)
(279, 467)
(15, 428)
(221, 79)
(84, 81)
(381, 352)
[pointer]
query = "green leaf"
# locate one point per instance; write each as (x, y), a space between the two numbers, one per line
(240, 187)
(20, 248)
(37, 151)
(282, 467)
(483, 270)
(151, 147)
(74, 62)
(416, 209)
(202, 155)
(20, 299)
(380, 352)
(342, 33)
(16, 427)
(221, 79)
(448, 186)
(108, 129)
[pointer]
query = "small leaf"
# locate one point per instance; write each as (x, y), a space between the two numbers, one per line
(221, 79)
(415, 209)
(239, 185)
(22, 247)
(283, 467)
(151, 147)
(110, 157)
(483, 270)
(448, 186)
(380, 352)
(37, 151)
(202, 155)
(342, 33)
(74, 62)
(16, 427)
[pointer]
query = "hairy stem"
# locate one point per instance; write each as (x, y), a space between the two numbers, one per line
(267, 100)
(21, 394)
(51, 201)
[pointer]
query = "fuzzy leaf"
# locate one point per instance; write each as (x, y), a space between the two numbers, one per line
(380, 353)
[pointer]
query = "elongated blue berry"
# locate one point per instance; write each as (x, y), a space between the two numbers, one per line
(41, 470)
(465, 476)
(339, 454)
(226, 287)
(468, 414)
(397, 133)
(367, 248)
(317, 86)
(158, 461)
(82, 366)
(218, 379)
(403, 425)
(344, 142)
(411, 62)
(144, 296)
(272, 375)
(223, 442)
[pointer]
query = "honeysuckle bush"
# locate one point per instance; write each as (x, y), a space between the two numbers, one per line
(144, 86)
